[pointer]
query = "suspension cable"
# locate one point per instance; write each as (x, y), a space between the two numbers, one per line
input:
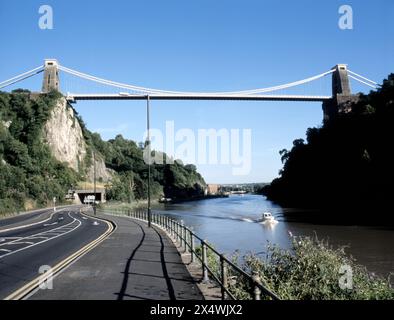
(364, 82)
(21, 77)
(357, 75)
(158, 91)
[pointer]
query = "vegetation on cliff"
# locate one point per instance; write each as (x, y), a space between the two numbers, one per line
(28, 171)
(31, 176)
(176, 181)
(346, 165)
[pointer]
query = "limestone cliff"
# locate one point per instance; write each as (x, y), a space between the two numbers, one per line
(63, 133)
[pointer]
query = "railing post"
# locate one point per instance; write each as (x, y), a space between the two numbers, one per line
(181, 233)
(176, 230)
(204, 261)
(192, 248)
(256, 289)
(223, 269)
(185, 234)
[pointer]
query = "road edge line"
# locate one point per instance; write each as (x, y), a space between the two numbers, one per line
(34, 284)
(32, 224)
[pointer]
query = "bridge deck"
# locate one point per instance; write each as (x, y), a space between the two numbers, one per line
(75, 97)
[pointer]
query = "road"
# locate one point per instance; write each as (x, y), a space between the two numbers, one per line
(27, 244)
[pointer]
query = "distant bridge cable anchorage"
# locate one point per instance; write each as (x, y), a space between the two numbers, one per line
(363, 80)
(21, 77)
(360, 76)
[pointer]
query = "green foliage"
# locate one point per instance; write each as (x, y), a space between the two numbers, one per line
(348, 159)
(176, 181)
(29, 171)
(27, 168)
(311, 270)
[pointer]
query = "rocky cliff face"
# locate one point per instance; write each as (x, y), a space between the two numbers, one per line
(103, 174)
(63, 134)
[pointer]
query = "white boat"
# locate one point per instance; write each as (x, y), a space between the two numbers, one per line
(267, 217)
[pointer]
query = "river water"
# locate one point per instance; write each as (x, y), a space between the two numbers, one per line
(232, 224)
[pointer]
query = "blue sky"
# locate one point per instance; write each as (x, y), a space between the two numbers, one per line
(202, 46)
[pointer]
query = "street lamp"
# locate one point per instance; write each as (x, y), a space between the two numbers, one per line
(94, 182)
(149, 156)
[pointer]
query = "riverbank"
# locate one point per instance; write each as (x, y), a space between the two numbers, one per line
(217, 219)
(197, 198)
(311, 270)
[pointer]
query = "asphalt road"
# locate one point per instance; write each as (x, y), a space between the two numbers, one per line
(23, 251)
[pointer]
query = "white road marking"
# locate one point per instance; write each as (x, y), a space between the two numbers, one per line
(31, 224)
(79, 223)
(43, 232)
(6, 250)
(24, 242)
(49, 224)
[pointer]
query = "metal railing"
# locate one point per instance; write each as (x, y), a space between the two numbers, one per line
(215, 266)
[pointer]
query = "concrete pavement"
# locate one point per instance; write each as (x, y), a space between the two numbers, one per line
(134, 262)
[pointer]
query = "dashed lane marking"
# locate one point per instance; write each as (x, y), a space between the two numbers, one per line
(31, 237)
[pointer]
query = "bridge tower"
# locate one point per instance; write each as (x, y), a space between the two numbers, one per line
(51, 76)
(342, 96)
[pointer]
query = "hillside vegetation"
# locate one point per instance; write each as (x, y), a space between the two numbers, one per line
(30, 176)
(345, 168)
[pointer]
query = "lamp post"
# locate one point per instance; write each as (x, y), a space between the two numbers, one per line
(94, 182)
(149, 157)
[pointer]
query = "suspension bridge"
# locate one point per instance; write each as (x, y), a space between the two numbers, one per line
(340, 96)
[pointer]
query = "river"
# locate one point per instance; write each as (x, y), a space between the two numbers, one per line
(231, 224)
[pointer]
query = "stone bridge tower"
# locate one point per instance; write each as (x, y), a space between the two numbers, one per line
(342, 97)
(51, 76)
